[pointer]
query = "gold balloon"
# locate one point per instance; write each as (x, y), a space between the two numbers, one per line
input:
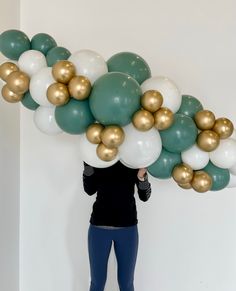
(208, 140)
(93, 133)
(185, 186)
(79, 87)
(10, 96)
(18, 82)
(63, 71)
(163, 118)
(182, 174)
(152, 100)
(112, 136)
(143, 120)
(204, 119)
(6, 69)
(57, 94)
(223, 127)
(105, 153)
(201, 182)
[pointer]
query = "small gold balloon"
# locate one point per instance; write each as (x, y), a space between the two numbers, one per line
(185, 186)
(10, 96)
(112, 136)
(79, 87)
(163, 118)
(201, 182)
(93, 133)
(182, 174)
(18, 82)
(223, 127)
(152, 100)
(63, 71)
(204, 119)
(6, 69)
(208, 140)
(105, 153)
(143, 120)
(57, 94)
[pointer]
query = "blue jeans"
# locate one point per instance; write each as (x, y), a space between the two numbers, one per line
(125, 245)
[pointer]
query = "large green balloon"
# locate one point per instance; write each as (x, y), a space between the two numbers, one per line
(115, 97)
(74, 117)
(163, 166)
(43, 42)
(220, 177)
(181, 135)
(29, 102)
(56, 54)
(131, 64)
(190, 105)
(13, 43)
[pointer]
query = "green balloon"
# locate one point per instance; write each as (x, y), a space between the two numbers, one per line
(43, 42)
(181, 135)
(190, 106)
(131, 64)
(220, 177)
(163, 166)
(114, 99)
(13, 43)
(74, 117)
(29, 102)
(56, 54)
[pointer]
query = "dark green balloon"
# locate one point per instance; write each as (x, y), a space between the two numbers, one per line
(29, 102)
(131, 64)
(220, 177)
(114, 99)
(190, 106)
(163, 166)
(13, 43)
(43, 42)
(74, 117)
(181, 135)
(56, 54)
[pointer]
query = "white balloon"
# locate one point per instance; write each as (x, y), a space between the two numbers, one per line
(232, 181)
(171, 94)
(224, 156)
(45, 121)
(233, 170)
(39, 84)
(31, 62)
(195, 157)
(233, 135)
(89, 155)
(140, 149)
(89, 64)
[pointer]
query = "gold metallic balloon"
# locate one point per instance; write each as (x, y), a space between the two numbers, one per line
(185, 186)
(18, 82)
(201, 182)
(10, 96)
(105, 153)
(182, 174)
(112, 136)
(223, 127)
(143, 120)
(208, 140)
(163, 118)
(79, 87)
(63, 71)
(57, 94)
(204, 119)
(152, 100)
(93, 133)
(6, 69)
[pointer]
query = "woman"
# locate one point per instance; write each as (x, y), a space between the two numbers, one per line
(114, 219)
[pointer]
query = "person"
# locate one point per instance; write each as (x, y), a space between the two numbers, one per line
(114, 220)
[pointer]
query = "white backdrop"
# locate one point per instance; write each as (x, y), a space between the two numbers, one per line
(187, 240)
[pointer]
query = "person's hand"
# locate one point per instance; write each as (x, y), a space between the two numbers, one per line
(142, 173)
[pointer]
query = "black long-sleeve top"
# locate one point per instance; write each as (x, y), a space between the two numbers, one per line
(115, 187)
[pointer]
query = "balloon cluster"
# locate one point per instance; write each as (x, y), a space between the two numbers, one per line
(120, 111)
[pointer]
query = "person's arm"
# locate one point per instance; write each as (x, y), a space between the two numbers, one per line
(144, 187)
(89, 179)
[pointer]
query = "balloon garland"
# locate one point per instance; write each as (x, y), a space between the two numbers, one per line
(120, 111)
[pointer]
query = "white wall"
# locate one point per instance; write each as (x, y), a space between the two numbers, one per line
(187, 240)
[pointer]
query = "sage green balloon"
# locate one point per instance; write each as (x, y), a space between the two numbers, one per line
(190, 106)
(181, 135)
(29, 102)
(43, 42)
(56, 54)
(163, 166)
(74, 117)
(220, 177)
